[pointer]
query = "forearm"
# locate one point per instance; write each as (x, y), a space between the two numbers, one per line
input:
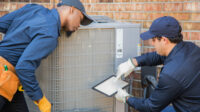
(149, 59)
(138, 104)
(30, 84)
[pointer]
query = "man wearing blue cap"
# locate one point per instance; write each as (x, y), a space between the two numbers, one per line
(179, 78)
(31, 34)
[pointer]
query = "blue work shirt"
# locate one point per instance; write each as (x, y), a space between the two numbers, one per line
(31, 34)
(179, 81)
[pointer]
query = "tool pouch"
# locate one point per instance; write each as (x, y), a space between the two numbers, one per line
(9, 81)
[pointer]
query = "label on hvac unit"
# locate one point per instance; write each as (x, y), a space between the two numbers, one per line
(119, 43)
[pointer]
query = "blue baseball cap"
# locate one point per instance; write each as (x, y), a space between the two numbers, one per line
(166, 26)
(77, 4)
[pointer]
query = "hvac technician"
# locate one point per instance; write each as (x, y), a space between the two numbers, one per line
(179, 81)
(31, 34)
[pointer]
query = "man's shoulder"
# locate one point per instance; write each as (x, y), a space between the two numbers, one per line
(183, 69)
(33, 5)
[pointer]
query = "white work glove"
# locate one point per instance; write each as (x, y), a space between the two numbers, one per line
(125, 69)
(122, 95)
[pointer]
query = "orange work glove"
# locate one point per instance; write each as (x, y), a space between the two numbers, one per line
(44, 105)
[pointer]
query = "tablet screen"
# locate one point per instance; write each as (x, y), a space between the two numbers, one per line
(110, 86)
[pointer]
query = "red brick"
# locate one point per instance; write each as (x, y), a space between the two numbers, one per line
(180, 16)
(146, 50)
(195, 35)
(92, 13)
(137, 76)
(139, 0)
(134, 7)
(149, 0)
(15, 6)
(20, 5)
(92, 1)
(195, 16)
(194, 6)
(57, 1)
(41, 1)
(153, 16)
(122, 1)
(137, 84)
(109, 14)
(2, 13)
(4, 6)
(186, 35)
(138, 16)
(137, 92)
(173, 6)
(49, 6)
(147, 24)
(178, 0)
(147, 42)
(122, 7)
(20, 0)
(106, 1)
(191, 26)
(114, 7)
(101, 7)
(4, 0)
(122, 15)
(153, 7)
(88, 7)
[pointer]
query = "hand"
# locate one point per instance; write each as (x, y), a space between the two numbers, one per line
(122, 95)
(125, 69)
(43, 104)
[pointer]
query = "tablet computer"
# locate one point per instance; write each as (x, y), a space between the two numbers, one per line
(110, 86)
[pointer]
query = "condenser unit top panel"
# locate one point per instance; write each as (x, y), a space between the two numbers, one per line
(110, 25)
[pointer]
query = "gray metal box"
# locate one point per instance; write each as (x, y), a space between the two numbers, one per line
(81, 61)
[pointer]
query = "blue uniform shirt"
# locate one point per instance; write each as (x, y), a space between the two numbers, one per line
(179, 81)
(31, 34)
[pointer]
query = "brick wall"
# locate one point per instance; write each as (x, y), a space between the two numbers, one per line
(134, 11)
(7, 6)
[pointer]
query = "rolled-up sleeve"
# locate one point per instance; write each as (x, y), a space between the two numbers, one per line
(165, 92)
(40, 47)
(150, 59)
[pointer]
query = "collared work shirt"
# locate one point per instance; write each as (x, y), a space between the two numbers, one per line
(179, 81)
(31, 34)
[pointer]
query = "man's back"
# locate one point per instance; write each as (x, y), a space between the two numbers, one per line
(31, 34)
(184, 67)
(25, 24)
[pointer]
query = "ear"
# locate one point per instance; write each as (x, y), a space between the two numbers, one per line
(165, 40)
(71, 10)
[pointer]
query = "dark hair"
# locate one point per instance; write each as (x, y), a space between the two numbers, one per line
(176, 39)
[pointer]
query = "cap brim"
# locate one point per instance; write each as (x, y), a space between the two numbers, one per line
(146, 35)
(87, 20)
